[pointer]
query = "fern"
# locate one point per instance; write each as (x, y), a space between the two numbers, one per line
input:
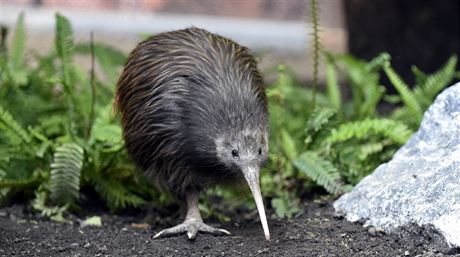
(17, 183)
(333, 90)
(407, 96)
(377, 62)
(18, 46)
(318, 118)
(436, 82)
(56, 213)
(12, 129)
(394, 130)
(115, 194)
(64, 48)
(322, 171)
(65, 172)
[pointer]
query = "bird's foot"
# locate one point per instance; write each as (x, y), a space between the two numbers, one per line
(191, 227)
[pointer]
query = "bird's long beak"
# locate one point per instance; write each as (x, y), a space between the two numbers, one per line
(251, 174)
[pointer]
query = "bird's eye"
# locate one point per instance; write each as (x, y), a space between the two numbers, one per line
(259, 151)
(235, 153)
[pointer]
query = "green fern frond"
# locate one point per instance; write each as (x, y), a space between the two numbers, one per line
(12, 129)
(368, 149)
(439, 80)
(64, 48)
(407, 96)
(17, 183)
(391, 129)
(65, 173)
(420, 76)
(320, 170)
(318, 118)
(333, 89)
(288, 144)
(115, 194)
(19, 43)
(55, 213)
(377, 62)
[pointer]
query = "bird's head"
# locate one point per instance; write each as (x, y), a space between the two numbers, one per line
(246, 151)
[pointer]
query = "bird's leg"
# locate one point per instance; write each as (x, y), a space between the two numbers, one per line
(193, 222)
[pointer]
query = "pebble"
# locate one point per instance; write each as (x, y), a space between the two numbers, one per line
(372, 231)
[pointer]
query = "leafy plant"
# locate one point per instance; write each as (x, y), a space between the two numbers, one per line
(59, 140)
(341, 140)
(50, 148)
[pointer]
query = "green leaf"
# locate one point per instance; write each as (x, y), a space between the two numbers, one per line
(12, 128)
(394, 130)
(64, 48)
(56, 213)
(437, 81)
(94, 221)
(319, 117)
(320, 170)
(116, 195)
(19, 42)
(284, 207)
(333, 90)
(288, 145)
(65, 173)
(377, 62)
(407, 96)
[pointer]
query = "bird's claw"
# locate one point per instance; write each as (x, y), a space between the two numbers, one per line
(191, 227)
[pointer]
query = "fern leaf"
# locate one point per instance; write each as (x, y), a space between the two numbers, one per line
(116, 195)
(321, 171)
(391, 129)
(333, 90)
(12, 129)
(318, 118)
(16, 183)
(288, 144)
(378, 62)
(64, 48)
(437, 81)
(407, 96)
(19, 42)
(65, 173)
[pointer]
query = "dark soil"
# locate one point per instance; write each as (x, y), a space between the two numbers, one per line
(315, 232)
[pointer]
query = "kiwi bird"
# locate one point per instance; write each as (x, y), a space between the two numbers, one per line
(194, 115)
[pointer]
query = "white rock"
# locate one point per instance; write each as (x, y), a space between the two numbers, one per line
(420, 186)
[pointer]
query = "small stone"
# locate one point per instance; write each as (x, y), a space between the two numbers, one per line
(372, 231)
(406, 253)
(3, 214)
(140, 225)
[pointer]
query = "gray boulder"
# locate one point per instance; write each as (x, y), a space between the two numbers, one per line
(418, 191)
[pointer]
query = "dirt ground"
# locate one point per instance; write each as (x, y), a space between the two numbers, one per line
(314, 232)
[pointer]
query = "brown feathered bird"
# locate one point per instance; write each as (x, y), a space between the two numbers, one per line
(194, 115)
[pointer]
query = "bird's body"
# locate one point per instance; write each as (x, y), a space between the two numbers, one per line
(193, 111)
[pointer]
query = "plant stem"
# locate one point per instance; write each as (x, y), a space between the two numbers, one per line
(93, 87)
(316, 47)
